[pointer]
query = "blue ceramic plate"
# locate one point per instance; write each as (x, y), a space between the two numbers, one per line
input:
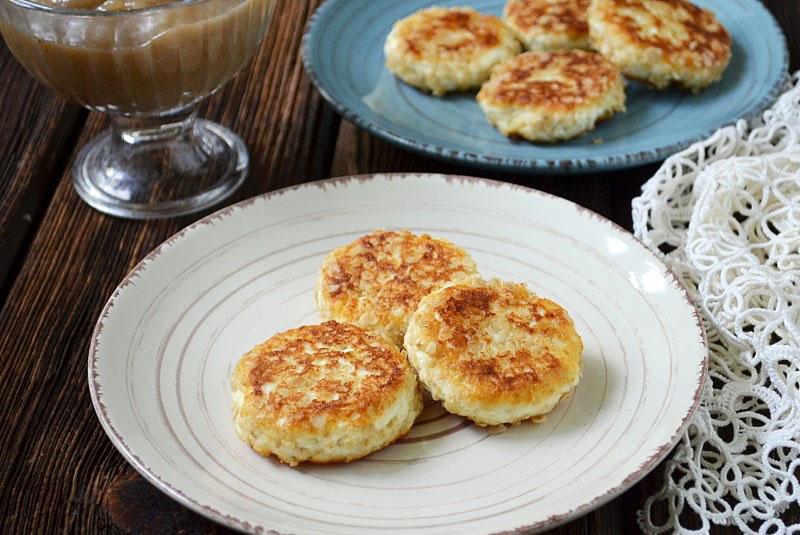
(343, 54)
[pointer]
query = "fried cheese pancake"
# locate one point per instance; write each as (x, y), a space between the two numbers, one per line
(447, 49)
(548, 24)
(377, 281)
(493, 351)
(661, 42)
(552, 96)
(324, 393)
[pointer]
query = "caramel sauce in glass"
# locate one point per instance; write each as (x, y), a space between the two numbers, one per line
(136, 56)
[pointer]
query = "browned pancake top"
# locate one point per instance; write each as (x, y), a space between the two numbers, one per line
(438, 32)
(383, 275)
(499, 341)
(559, 79)
(683, 32)
(563, 17)
(316, 375)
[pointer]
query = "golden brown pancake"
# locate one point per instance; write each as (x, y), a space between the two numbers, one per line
(661, 41)
(550, 96)
(377, 281)
(323, 393)
(442, 50)
(548, 24)
(493, 351)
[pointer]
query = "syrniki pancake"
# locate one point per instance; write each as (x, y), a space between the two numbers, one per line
(377, 281)
(493, 351)
(661, 41)
(552, 96)
(324, 393)
(442, 50)
(548, 24)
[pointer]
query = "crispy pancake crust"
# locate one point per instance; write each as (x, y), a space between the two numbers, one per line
(377, 281)
(548, 24)
(548, 96)
(321, 393)
(449, 32)
(493, 351)
(558, 80)
(443, 50)
(661, 41)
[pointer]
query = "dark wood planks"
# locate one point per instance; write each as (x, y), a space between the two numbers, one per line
(787, 14)
(358, 152)
(58, 471)
(37, 133)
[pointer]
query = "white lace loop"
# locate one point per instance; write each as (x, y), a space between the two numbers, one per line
(724, 214)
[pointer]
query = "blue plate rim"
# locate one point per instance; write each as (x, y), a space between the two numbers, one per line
(527, 165)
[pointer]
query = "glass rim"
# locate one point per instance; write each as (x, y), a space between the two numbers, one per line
(74, 12)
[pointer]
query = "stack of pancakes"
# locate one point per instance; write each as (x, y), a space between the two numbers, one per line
(571, 77)
(401, 309)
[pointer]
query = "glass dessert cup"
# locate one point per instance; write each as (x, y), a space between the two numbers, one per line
(147, 64)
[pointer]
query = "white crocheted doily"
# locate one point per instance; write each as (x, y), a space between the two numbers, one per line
(725, 216)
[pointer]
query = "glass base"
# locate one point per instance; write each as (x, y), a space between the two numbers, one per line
(160, 169)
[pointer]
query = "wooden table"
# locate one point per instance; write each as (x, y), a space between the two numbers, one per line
(61, 260)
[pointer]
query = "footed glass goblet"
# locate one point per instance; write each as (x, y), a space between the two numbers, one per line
(147, 63)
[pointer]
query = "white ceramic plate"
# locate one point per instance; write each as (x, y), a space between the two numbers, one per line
(167, 340)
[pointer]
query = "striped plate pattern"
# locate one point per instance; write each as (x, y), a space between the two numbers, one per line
(168, 338)
(343, 55)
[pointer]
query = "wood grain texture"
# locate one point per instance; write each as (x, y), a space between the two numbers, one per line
(788, 16)
(58, 471)
(37, 135)
(358, 152)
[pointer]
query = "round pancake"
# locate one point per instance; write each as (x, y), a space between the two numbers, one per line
(493, 351)
(661, 41)
(377, 281)
(323, 393)
(551, 96)
(442, 50)
(548, 24)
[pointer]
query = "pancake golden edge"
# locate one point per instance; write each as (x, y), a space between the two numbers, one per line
(660, 42)
(447, 49)
(327, 393)
(377, 281)
(548, 24)
(552, 96)
(493, 351)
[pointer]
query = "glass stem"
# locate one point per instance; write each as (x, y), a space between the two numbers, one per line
(163, 165)
(133, 130)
